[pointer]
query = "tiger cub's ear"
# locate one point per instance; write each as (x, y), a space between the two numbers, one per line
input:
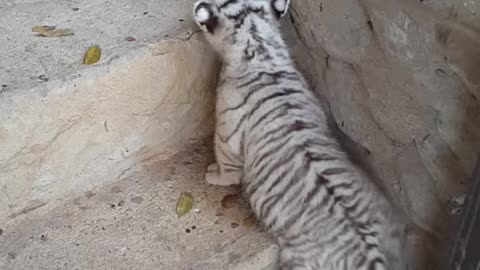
(280, 7)
(205, 16)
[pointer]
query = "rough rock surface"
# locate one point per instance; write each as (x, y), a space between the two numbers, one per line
(131, 224)
(66, 127)
(401, 79)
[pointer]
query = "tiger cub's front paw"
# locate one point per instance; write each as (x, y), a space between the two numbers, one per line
(214, 177)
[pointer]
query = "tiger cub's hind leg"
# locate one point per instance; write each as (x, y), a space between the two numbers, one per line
(225, 171)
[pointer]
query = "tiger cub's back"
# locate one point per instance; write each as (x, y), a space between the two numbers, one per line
(273, 138)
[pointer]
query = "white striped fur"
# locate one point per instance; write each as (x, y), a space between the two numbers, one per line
(272, 138)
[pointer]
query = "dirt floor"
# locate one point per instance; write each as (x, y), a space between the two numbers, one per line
(132, 224)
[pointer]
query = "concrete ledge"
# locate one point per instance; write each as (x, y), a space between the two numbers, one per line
(89, 125)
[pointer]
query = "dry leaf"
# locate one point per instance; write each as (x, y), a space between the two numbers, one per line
(249, 221)
(93, 55)
(230, 200)
(51, 31)
(184, 204)
(43, 28)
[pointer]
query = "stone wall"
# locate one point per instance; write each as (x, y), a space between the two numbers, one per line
(403, 80)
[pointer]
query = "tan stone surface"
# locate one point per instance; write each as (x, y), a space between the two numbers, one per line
(90, 131)
(131, 224)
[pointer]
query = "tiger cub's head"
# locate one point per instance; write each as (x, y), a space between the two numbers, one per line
(246, 27)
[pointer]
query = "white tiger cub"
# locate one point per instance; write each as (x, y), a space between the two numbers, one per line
(272, 138)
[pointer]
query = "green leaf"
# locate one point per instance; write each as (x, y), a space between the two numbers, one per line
(93, 55)
(184, 204)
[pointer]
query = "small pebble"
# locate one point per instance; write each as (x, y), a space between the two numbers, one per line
(11, 255)
(440, 72)
(89, 194)
(196, 210)
(121, 203)
(187, 230)
(145, 13)
(1, 231)
(43, 78)
(459, 200)
(130, 39)
(75, 9)
(194, 227)
(234, 225)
